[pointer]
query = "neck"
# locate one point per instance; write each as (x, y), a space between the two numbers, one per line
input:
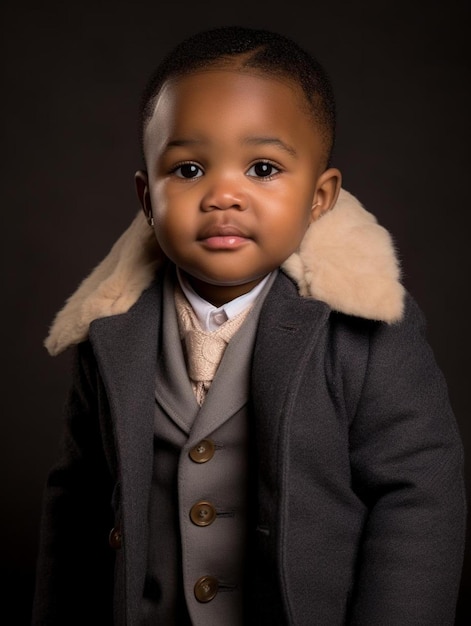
(218, 295)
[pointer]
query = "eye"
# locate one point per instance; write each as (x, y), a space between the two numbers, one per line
(263, 169)
(188, 170)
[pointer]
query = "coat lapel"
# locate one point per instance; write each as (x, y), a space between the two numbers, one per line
(289, 330)
(126, 348)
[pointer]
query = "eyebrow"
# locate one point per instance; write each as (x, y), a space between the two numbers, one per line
(254, 141)
(274, 141)
(178, 143)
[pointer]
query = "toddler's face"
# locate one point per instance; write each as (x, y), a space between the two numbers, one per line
(235, 167)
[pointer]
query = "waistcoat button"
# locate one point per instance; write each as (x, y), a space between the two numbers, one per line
(203, 451)
(202, 513)
(115, 538)
(206, 588)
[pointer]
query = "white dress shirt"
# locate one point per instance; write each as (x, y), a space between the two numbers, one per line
(211, 317)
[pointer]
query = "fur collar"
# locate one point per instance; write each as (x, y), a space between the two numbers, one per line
(346, 259)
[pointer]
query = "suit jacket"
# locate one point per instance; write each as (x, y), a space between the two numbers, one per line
(358, 507)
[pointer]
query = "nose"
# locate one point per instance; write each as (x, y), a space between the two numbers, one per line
(223, 194)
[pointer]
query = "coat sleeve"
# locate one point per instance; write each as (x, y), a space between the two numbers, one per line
(407, 466)
(75, 562)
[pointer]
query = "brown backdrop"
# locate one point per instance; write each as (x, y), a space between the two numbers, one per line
(72, 76)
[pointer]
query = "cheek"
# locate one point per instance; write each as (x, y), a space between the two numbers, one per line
(166, 210)
(173, 203)
(293, 216)
(295, 232)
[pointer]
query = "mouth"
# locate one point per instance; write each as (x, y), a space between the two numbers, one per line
(223, 230)
(223, 237)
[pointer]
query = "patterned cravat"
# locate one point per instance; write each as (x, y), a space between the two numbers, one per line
(203, 349)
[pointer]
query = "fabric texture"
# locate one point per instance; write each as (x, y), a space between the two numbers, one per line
(203, 349)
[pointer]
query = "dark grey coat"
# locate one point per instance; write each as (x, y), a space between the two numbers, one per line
(358, 498)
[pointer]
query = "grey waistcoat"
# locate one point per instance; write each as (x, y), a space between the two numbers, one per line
(198, 500)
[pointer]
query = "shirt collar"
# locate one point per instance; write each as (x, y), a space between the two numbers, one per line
(211, 317)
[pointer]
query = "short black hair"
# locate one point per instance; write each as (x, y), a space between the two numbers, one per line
(262, 50)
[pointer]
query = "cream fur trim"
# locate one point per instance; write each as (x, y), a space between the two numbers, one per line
(346, 259)
(112, 287)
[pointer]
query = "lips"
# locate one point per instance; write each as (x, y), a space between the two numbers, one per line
(223, 237)
(223, 230)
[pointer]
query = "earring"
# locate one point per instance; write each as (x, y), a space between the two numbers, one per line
(150, 220)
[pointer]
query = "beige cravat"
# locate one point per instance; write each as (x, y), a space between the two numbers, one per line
(203, 349)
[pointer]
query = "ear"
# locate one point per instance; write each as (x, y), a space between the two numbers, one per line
(142, 190)
(326, 194)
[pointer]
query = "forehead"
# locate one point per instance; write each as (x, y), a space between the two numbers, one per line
(229, 101)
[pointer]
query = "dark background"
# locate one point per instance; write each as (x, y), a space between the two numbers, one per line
(72, 76)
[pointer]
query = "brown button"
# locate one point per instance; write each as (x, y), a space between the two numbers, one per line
(202, 513)
(203, 451)
(206, 588)
(115, 538)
